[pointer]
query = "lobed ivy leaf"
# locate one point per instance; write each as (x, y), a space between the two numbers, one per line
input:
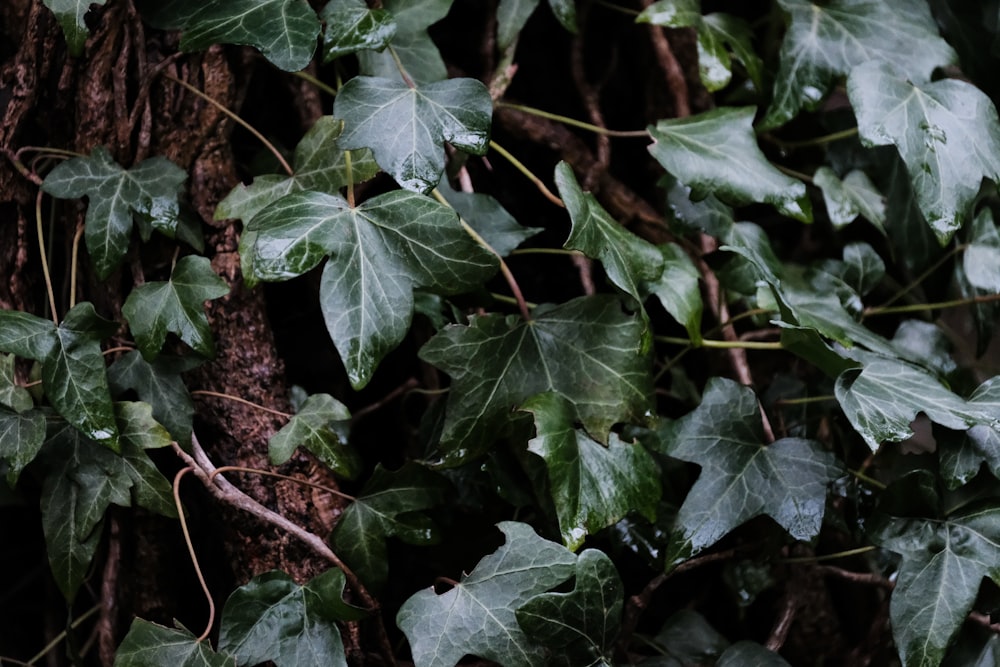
(587, 350)
(848, 198)
(405, 127)
(708, 215)
(176, 306)
(824, 41)
(741, 477)
(513, 14)
(379, 252)
(411, 43)
(320, 164)
(151, 645)
(721, 37)
(943, 565)
(351, 26)
(947, 133)
(273, 618)
(962, 454)
(687, 638)
(477, 616)
(159, 384)
(981, 260)
(12, 395)
(750, 653)
(863, 267)
(628, 260)
(321, 425)
(716, 152)
(593, 486)
(22, 435)
(149, 189)
(678, 289)
(490, 220)
(70, 15)
(390, 505)
(580, 626)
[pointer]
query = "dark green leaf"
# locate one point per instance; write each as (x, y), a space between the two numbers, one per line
(962, 453)
(12, 395)
(175, 306)
(380, 251)
(477, 616)
(981, 260)
(628, 260)
(351, 26)
(746, 653)
(420, 57)
(389, 505)
(708, 215)
(825, 41)
(511, 17)
(159, 384)
(405, 127)
(26, 335)
(690, 639)
(490, 220)
(70, 15)
(151, 645)
(21, 438)
(587, 350)
(678, 289)
(321, 425)
(864, 268)
(579, 626)
(926, 344)
(593, 486)
(716, 152)
(847, 199)
(148, 189)
(741, 477)
(946, 131)
(565, 13)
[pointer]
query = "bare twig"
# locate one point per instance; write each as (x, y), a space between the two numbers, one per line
(671, 68)
(866, 578)
(392, 395)
(779, 633)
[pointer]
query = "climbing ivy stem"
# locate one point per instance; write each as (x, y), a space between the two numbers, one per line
(229, 397)
(805, 178)
(194, 557)
(547, 251)
(45, 260)
(871, 481)
(74, 256)
(918, 307)
(326, 88)
(236, 119)
(804, 400)
(597, 129)
(815, 141)
(722, 344)
(923, 276)
(267, 473)
(819, 559)
(528, 173)
(617, 8)
(61, 636)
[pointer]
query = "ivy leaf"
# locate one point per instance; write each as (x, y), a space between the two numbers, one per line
(513, 14)
(864, 268)
(579, 626)
(158, 383)
(405, 127)
(151, 645)
(477, 616)
(750, 653)
(718, 36)
(678, 289)
(593, 486)
(351, 26)
(490, 220)
(175, 306)
(389, 506)
(320, 164)
(414, 47)
(741, 477)
(716, 152)
(586, 350)
(379, 252)
(946, 131)
(70, 14)
(321, 425)
(981, 260)
(825, 41)
(944, 563)
(116, 195)
(12, 395)
(962, 454)
(848, 198)
(708, 215)
(628, 260)
(21, 437)
(273, 618)
(565, 13)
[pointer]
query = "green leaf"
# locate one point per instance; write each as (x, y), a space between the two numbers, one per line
(26, 335)
(389, 506)
(716, 152)
(321, 425)
(864, 268)
(477, 616)
(151, 645)
(175, 306)
(745, 653)
(12, 395)
(587, 350)
(944, 563)
(924, 343)
(741, 477)
(981, 260)
(116, 195)
(678, 289)
(70, 14)
(847, 199)
(320, 164)
(511, 17)
(414, 47)
(159, 384)
(719, 35)
(138, 428)
(21, 438)
(490, 220)
(628, 260)
(593, 486)
(565, 13)
(689, 638)
(273, 618)
(684, 214)
(946, 131)
(379, 252)
(825, 41)
(579, 626)
(962, 454)
(351, 26)
(406, 127)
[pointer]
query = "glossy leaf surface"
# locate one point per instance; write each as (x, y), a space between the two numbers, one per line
(679, 289)
(416, 50)
(21, 438)
(848, 198)
(321, 425)
(351, 26)
(158, 383)
(151, 645)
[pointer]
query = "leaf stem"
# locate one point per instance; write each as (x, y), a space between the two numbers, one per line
(804, 400)
(194, 557)
(597, 129)
(918, 307)
(805, 178)
(924, 275)
(61, 636)
(618, 8)
(402, 69)
(547, 251)
(722, 344)
(247, 126)
(60, 152)
(815, 141)
(503, 298)
(45, 259)
(206, 392)
(528, 173)
(73, 264)
(326, 88)
(350, 178)
(268, 473)
(870, 481)
(833, 556)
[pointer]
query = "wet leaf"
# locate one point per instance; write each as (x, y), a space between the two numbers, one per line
(176, 306)
(379, 252)
(587, 350)
(477, 616)
(12, 395)
(488, 218)
(321, 425)
(716, 152)
(116, 195)
(962, 454)
(151, 645)
(420, 57)
(678, 289)
(158, 383)
(848, 198)
(406, 127)
(351, 26)
(21, 437)
(981, 260)
(864, 268)
(70, 15)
